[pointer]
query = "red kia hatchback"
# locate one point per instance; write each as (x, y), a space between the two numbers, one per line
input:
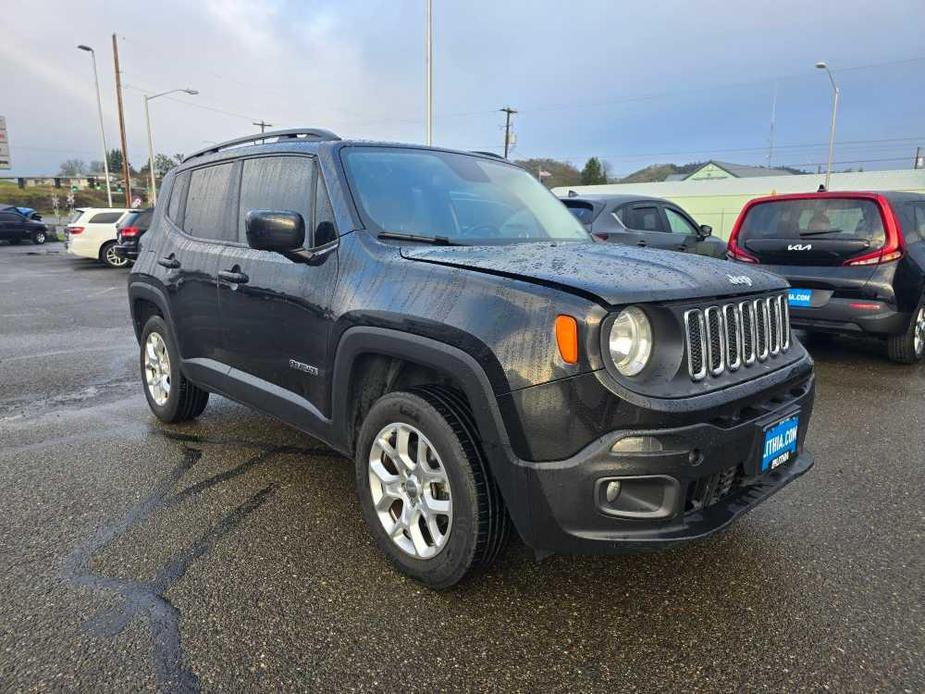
(855, 261)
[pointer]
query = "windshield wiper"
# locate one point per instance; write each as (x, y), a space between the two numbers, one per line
(435, 240)
(820, 232)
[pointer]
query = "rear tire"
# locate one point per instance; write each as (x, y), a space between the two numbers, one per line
(909, 347)
(458, 497)
(109, 257)
(171, 397)
(15, 241)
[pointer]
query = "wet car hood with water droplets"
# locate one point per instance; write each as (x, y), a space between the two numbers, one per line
(615, 274)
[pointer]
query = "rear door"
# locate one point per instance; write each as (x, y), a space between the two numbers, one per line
(646, 226)
(201, 219)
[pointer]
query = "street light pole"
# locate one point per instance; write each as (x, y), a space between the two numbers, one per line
(99, 106)
(191, 92)
(828, 168)
(429, 75)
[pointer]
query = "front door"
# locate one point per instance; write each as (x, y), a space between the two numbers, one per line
(686, 235)
(275, 308)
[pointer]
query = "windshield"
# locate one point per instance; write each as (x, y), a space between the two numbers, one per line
(466, 199)
(835, 218)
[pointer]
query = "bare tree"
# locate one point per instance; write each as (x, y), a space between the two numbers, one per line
(73, 167)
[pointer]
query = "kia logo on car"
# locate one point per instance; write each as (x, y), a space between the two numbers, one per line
(740, 279)
(799, 246)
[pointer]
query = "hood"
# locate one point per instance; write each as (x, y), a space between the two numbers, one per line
(612, 273)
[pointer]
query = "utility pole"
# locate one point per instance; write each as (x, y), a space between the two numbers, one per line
(127, 180)
(262, 125)
(508, 111)
(919, 162)
(773, 118)
(429, 76)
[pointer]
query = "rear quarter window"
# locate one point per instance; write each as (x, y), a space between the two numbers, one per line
(583, 211)
(105, 218)
(210, 204)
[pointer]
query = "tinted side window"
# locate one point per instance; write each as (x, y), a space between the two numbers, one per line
(918, 218)
(325, 230)
(643, 219)
(144, 219)
(210, 203)
(9, 217)
(105, 218)
(276, 183)
(178, 198)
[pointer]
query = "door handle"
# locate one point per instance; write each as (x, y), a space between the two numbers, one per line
(169, 262)
(233, 276)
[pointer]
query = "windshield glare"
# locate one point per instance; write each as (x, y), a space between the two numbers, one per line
(467, 199)
(830, 217)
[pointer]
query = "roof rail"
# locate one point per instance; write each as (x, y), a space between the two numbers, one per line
(487, 154)
(279, 135)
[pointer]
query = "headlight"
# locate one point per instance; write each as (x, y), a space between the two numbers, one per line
(630, 341)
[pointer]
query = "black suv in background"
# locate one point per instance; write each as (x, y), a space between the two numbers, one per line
(637, 220)
(130, 230)
(443, 320)
(856, 261)
(16, 227)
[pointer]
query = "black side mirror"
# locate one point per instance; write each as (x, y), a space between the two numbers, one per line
(706, 230)
(274, 230)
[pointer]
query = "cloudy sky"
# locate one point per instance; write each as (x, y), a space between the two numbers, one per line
(633, 82)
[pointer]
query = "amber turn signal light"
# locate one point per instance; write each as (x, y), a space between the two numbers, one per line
(567, 338)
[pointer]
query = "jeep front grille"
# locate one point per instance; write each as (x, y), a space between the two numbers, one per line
(725, 337)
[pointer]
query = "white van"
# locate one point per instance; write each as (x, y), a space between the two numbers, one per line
(91, 233)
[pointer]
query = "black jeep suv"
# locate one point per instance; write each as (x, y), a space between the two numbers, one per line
(444, 320)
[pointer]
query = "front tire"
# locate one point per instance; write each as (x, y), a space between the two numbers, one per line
(424, 487)
(909, 347)
(109, 257)
(171, 397)
(39, 237)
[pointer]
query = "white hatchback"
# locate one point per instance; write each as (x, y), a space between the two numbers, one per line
(92, 233)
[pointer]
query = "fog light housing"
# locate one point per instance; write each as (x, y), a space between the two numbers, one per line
(648, 497)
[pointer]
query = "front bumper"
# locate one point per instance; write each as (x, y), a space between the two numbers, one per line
(710, 472)
(850, 316)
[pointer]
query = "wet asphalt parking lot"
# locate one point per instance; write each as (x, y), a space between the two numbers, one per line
(229, 554)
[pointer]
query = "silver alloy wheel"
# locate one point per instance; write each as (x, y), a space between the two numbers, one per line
(410, 490)
(113, 259)
(918, 331)
(157, 368)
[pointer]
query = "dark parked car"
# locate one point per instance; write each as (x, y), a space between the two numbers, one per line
(440, 318)
(636, 220)
(130, 230)
(16, 227)
(856, 262)
(30, 213)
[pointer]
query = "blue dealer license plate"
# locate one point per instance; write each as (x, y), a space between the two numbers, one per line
(800, 297)
(780, 443)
